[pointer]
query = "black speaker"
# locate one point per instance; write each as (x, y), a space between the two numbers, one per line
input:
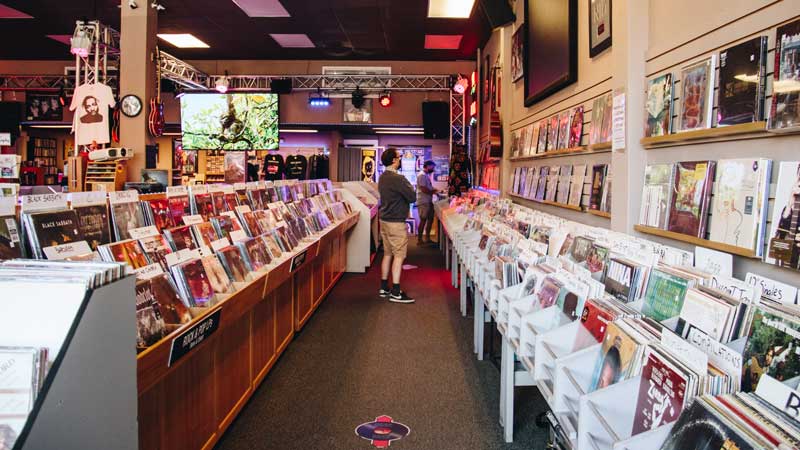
(280, 85)
(497, 12)
(10, 115)
(436, 120)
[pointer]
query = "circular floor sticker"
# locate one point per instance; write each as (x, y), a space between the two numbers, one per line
(382, 431)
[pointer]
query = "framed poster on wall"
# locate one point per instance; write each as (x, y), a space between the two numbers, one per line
(599, 26)
(358, 115)
(551, 47)
(517, 58)
(368, 164)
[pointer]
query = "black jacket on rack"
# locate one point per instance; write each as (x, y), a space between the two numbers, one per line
(273, 167)
(319, 167)
(296, 167)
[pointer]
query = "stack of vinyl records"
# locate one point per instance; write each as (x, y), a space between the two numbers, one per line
(50, 228)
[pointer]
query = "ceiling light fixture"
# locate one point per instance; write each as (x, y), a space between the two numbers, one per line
(183, 40)
(385, 99)
(398, 128)
(222, 84)
(299, 130)
(80, 43)
(399, 132)
(460, 85)
(450, 9)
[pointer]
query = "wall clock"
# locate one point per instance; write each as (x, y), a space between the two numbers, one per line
(131, 105)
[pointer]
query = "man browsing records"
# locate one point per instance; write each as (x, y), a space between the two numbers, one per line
(425, 193)
(397, 194)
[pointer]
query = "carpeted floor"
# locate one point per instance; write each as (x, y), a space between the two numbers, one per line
(360, 357)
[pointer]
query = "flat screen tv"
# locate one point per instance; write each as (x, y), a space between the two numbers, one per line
(240, 121)
(550, 47)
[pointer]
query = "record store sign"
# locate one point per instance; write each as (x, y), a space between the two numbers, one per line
(192, 337)
(298, 260)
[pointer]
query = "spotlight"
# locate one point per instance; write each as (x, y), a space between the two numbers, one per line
(358, 98)
(80, 44)
(62, 97)
(461, 85)
(319, 101)
(222, 84)
(385, 99)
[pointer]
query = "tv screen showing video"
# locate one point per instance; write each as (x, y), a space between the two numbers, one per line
(241, 121)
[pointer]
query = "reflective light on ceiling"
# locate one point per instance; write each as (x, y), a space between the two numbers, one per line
(7, 12)
(450, 9)
(292, 40)
(262, 8)
(183, 40)
(442, 41)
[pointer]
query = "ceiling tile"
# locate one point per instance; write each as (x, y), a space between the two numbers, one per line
(293, 40)
(443, 41)
(7, 12)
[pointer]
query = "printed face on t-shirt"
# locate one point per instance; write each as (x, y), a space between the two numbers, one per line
(92, 109)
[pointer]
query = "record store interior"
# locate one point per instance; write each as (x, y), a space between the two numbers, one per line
(418, 224)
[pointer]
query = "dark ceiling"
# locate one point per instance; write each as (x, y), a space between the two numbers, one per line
(340, 29)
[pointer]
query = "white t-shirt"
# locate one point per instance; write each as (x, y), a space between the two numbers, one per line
(90, 104)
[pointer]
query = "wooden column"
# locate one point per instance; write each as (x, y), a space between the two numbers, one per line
(138, 77)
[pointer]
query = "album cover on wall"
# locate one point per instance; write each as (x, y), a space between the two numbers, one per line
(541, 145)
(697, 95)
(533, 139)
(657, 195)
(740, 203)
(601, 120)
(576, 127)
(742, 82)
(564, 120)
(688, 212)
(658, 106)
(598, 183)
(552, 133)
(783, 247)
(786, 101)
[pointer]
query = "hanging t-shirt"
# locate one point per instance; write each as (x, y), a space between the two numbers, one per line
(90, 102)
(319, 167)
(273, 167)
(296, 166)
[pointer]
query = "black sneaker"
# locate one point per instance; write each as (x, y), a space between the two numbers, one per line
(400, 298)
(383, 293)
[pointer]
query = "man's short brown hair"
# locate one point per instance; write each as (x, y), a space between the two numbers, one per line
(388, 156)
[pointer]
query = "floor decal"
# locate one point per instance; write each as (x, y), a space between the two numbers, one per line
(382, 431)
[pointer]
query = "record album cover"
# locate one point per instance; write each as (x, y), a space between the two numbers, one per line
(128, 251)
(742, 82)
(234, 263)
(564, 121)
(663, 298)
(179, 206)
(150, 324)
(162, 215)
(552, 133)
(172, 308)
(786, 78)
(126, 216)
(541, 145)
(156, 248)
(56, 228)
(198, 285)
(772, 348)
(598, 184)
(783, 248)
(217, 276)
(595, 319)
(662, 390)
(615, 359)
(93, 223)
(700, 427)
(658, 107)
(601, 120)
(740, 203)
(181, 238)
(697, 95)
(689, 204)
(576, 127)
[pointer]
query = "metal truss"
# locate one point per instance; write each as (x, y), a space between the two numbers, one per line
(181, 73)
(366, 83)
(33, 82)
(103, 54)
(457, 118)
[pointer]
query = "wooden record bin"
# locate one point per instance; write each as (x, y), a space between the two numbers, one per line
(191, 403)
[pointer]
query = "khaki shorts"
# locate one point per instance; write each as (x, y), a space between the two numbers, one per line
(395, 238)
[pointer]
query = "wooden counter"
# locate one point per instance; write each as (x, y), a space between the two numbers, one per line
(190, 404)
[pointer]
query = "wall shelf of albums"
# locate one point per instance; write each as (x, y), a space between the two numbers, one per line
(753, 129)
(583, 150)
(218, 298)
(745, 252)
(597, 316)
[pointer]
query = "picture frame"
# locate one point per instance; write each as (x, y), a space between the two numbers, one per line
(43, 107)
(351, 114)
(517, 58)
(599, 26)
(554, 38)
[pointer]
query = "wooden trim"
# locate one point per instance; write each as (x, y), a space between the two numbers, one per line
(148, 197)
(582, 150)
(599, 213)
(547, 202)
(740, 251)
(708, 134)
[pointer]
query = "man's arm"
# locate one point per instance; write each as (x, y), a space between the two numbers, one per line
(407, 191)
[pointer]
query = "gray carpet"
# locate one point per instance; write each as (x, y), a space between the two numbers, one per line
(360, 356)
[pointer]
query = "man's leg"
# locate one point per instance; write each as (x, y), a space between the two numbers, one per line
(422, 224)
(386, 262)
(429, 224)
(399, 236)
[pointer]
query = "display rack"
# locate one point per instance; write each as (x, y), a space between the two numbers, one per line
(43, 152)
(699, 136)
(598, 213)
(551, 203)
(582, 150)
(255, 326)
(105, 176)
(92, 396)
(359, 245)
(215, 166)
(746, 252)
